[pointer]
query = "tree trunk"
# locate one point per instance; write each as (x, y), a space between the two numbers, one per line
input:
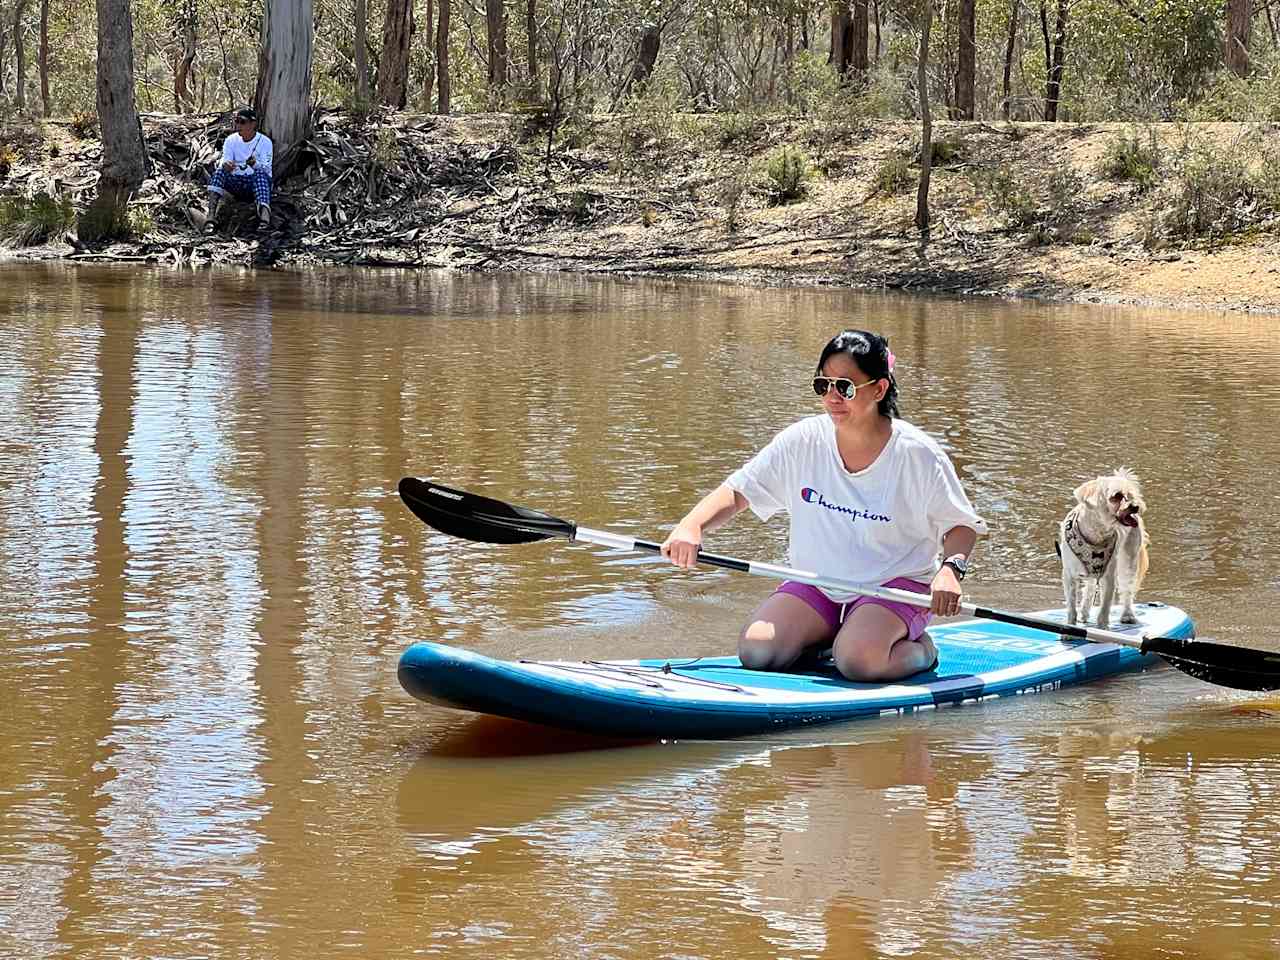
(858, 36)
(429, 75)
(1239, 27)
(841, 37)
(393, 65)
(44, 59)
(20, 57)
(184, 95)
(965, 61)
(1007, 97)
(495, 15)
(283, 95)
(877, 17)
(4, 42)
(123, 152)
(361, 52)
(926, 124)
(531, 34)
(442, 59)
(1056, 60)
(647, 55)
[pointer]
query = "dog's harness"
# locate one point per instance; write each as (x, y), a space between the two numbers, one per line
(1094, 557)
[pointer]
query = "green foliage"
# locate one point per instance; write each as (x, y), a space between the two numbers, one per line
(1252, 98)
(1007, 195)
(894, 175)
(1132, 157)
(29, 222)
(787, 169)
(730, 193)
(1140, 59)
(646, 126)
(945, 150)
(1048, 206)
(737, 129)
(1218, 190)
(103, 221)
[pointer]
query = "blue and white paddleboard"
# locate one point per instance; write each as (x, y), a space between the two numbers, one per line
(713, 697)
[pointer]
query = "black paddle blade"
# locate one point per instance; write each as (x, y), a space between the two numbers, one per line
(1227, 666)
(473, 517)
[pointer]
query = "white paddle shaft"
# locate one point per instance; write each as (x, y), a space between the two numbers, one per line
(618, 542)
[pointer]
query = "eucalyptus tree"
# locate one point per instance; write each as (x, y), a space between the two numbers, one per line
(1239, 27)
(926, 124)
(123, 151)
(495, 15)
(283, 94)
(966, 60)
(393, 64)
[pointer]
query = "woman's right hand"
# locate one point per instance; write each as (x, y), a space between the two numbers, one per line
(683, 544)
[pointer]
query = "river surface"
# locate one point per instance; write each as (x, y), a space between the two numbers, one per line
(208, 579)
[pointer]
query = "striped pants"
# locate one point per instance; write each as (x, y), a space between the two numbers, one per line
(256, 186)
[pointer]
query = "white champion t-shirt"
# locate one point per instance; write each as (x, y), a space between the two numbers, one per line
(868, 526)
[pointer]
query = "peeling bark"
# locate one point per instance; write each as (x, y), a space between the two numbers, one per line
(283, 95)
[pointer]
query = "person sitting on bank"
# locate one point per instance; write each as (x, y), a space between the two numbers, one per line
(244, 170)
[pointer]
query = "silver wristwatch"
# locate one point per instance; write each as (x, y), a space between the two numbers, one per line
(959, 563)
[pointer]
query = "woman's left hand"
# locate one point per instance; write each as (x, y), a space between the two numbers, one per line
(944, 593)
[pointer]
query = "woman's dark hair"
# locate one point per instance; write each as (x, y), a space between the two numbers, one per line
(870, 353)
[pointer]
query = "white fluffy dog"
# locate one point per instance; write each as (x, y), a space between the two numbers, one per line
(1103, 543)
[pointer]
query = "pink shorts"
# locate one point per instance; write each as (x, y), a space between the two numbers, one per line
(916, 618)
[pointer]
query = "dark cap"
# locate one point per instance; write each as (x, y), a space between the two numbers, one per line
(246, 116)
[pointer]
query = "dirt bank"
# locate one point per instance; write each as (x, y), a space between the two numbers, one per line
(482, 193)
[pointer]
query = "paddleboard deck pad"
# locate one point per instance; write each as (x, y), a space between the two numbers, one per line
(714, 697)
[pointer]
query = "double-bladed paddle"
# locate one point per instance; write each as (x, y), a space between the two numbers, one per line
(475, 517)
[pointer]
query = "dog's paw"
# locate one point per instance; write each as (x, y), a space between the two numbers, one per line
(1128, 617)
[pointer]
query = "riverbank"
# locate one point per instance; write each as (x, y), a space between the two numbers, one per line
(1051, 211)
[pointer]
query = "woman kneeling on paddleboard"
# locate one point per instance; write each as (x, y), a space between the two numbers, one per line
(872, 499)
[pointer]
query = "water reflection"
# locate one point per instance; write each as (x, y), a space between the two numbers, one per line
(209, 580)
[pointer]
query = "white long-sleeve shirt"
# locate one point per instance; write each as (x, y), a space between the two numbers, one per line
(238, 150)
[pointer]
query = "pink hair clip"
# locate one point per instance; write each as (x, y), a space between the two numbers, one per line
(891, 359)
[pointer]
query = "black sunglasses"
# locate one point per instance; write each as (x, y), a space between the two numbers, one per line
(844, 386)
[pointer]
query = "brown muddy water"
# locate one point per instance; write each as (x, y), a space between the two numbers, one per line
(208, 579)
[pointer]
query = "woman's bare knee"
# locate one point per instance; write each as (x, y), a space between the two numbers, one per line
(758, 646)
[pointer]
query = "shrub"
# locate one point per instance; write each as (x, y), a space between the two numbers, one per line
(1131, 157)
(1228, 97)
(8, 157)
(1065, 192)
(1008, 196)
(29, 222)
(730, 193)
(945, 150)
(787, 169)
(893, 175)
(645, 127)
(103, 221)
(1218, 190)
(84, 125)
(738, 128)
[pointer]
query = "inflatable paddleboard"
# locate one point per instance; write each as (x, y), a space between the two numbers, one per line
(714, 697)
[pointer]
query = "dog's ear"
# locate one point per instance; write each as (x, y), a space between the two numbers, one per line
(1088, 493)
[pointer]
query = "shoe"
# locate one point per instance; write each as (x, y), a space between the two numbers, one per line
(264, 216)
